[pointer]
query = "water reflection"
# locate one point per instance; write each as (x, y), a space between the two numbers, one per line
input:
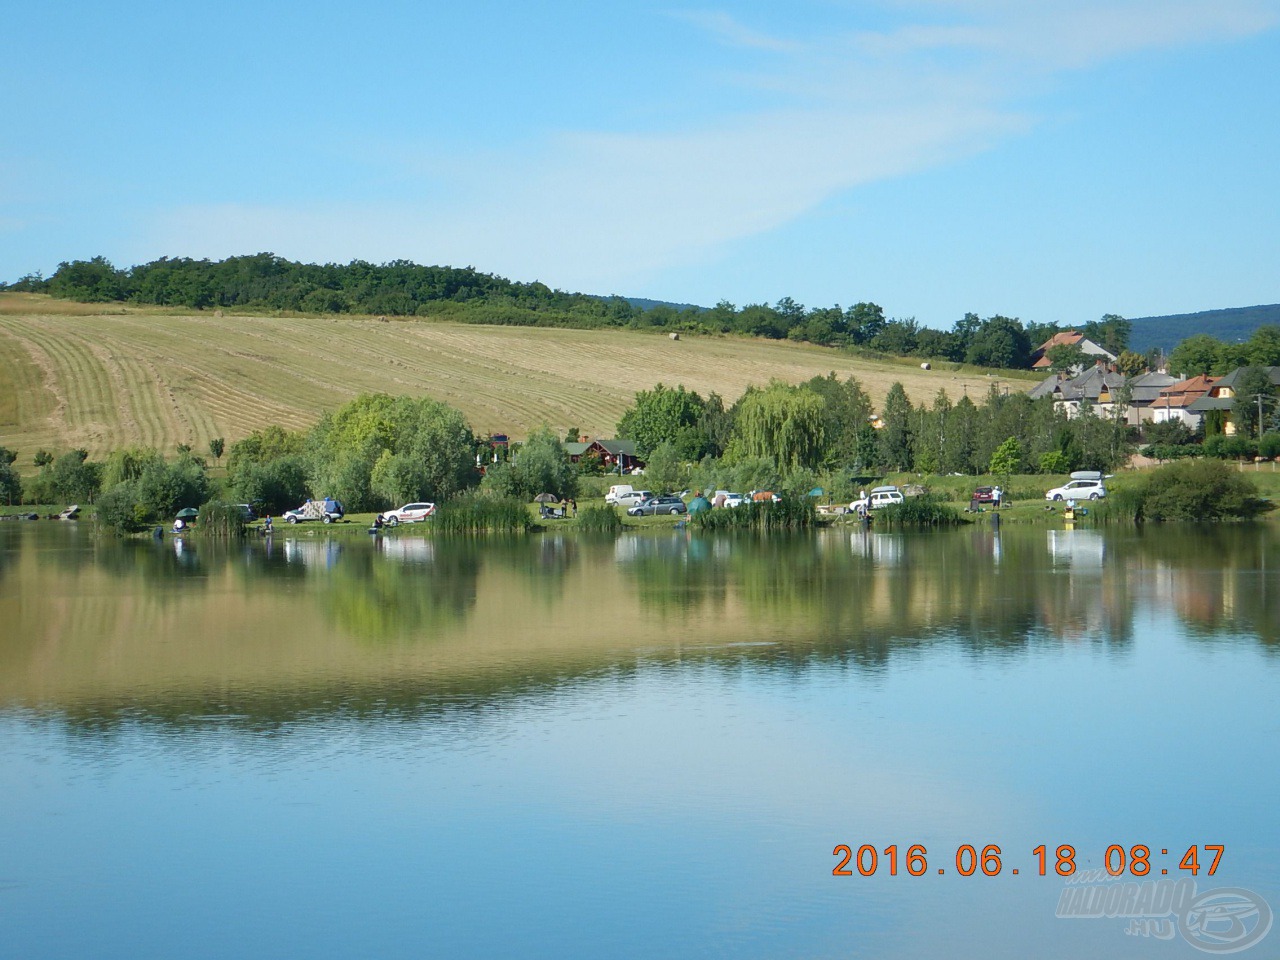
(291, 626)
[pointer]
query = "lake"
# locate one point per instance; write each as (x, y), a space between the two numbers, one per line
(644, 747)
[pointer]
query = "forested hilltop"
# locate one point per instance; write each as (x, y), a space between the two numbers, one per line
(404, 289)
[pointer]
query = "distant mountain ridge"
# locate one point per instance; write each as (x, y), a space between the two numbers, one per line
(1230, 325)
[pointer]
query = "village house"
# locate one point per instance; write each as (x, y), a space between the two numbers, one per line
(1175, 400)
(1098, 386)
(609, 452)
(1221, 397)
(1066, 338)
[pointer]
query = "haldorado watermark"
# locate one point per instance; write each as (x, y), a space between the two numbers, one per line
(1222, 920)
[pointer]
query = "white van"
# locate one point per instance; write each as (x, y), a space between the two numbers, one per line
(616, 491)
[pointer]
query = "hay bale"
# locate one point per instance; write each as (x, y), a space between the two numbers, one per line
(674, 336)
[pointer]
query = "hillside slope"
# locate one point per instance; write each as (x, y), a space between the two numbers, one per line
(1230, 325)
(132, 377)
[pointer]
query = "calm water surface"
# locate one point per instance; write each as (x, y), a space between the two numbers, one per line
(646, 747)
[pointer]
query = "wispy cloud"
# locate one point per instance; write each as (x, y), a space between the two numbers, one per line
(599, 210)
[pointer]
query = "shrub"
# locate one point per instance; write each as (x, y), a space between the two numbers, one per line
(925, 510)
(221, 519)
(1230, 448)
(480, 514)
(1055, 461)
(790, 513)
(119, 509)
(599, 519)
(1199, 490)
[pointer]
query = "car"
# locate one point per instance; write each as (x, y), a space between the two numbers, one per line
(654, 506)
(409, 513)
(327, 510)
(879, 497)
(984, 495)
(734, 500)
(1078, 490)
(247, 511)
(633, 498)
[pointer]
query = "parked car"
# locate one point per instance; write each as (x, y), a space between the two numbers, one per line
(1084, 485)
(984, 495)
(633, 498)
(409, 513)
(734, 499)
(327, 510)
(877, 498)
(654, 506)
(247, 511)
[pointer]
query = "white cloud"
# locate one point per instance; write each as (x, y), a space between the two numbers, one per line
(596, 210)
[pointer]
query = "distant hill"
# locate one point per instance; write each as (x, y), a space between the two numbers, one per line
(1231, 325)
(644, 304)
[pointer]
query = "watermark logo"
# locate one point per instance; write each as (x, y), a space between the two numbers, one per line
(1222, 920)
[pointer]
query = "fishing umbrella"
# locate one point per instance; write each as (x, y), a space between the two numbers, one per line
(187, 513)
(546, 498)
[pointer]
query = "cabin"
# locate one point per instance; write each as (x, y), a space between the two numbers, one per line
(609, 452)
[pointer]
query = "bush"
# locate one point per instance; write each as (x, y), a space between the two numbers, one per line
(1055, 461)
(790, 513)
(1199, 490)
(925, 510)
(1230, 448)
(480, 514)
(120, 510)
(599, 519)
(221, 519)
(1269, 445)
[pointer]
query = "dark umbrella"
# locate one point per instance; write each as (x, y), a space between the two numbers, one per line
(546, 498)
(186, 513)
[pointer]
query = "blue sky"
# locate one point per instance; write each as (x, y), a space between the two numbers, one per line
(1052, 160)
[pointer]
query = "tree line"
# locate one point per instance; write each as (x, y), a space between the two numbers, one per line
(404, 289)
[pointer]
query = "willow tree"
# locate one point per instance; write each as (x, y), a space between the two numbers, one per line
(782, 422)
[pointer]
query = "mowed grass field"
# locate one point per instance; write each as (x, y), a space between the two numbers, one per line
(76, 375)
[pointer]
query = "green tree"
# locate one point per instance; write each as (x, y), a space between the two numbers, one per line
(665, 471)
(1066, 358)
(960, 438)
(1263, 347)
(1111, 332)
(1001, 342)
(1254, 393)
(71, 478)
(846, 410)
(895, 437)
(540, 466)
(1131, 364)
(216, 446)
(10, 482)
(1007, 460)
(782, 422)
(1194, 356)
(430, 445)
(665, 415)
